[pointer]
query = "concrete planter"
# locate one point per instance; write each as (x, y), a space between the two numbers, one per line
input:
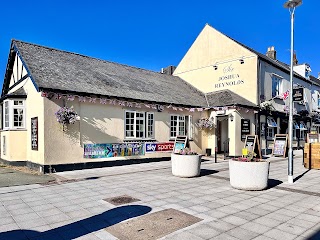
(185, 165)
(249, 175)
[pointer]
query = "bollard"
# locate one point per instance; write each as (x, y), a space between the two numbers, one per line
(215, 154)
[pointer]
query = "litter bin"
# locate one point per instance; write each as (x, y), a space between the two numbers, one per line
(208, 152)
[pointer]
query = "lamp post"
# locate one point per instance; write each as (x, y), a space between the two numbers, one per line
(291, 5)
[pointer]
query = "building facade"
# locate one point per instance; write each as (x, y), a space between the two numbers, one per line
(126, 114)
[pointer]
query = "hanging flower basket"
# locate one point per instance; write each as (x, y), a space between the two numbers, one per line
(67, 116)
(205, 123)
(267, 105)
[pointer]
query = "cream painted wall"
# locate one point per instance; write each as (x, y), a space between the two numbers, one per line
(214, 48)
(20, 148)
(99, 124)
(15, 145)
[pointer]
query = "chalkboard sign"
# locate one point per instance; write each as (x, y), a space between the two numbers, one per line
(252, 144)
(280, 145)
(245, 128)
(180, 143)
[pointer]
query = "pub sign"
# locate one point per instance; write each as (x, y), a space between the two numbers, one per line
(34, 133)
(245, 128)
(297, 94)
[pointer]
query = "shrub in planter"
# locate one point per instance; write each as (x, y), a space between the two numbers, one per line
(186, 163)
(249, 173)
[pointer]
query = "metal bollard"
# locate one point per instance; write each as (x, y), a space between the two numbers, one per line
(215, 154)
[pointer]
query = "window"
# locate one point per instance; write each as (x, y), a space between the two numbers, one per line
(303, 129)
(139, 124)
(181, 125)
(276, 86)
(177, 125)
(150, 125)
(272, 125)
(6, 114)
(270, 132)
(14, 114)
(296, 130)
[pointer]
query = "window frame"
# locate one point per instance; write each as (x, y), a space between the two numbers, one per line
(145, 126)
(10, 113)
(277, 82)
(187, 121)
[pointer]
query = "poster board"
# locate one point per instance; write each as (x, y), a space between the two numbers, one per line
(312, 137)
(252, 144)
(180, 143)
(34, 133)
(280, 145)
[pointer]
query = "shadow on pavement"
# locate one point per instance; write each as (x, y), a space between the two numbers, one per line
(300, 176)
(205, 172)
(315, 236)
(273, 183)
(82, 227)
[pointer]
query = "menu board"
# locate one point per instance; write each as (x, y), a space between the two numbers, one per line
(180, 143)
(280, 145)
(252, 144)
(34, 133)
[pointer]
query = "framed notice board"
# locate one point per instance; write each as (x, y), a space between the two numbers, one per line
(252, 144)
(180, 143)
(280, 145)
(245, 128)
(34, 133)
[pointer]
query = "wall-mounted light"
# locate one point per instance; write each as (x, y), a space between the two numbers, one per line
(231, 117)
(241, 61)
(215, 67)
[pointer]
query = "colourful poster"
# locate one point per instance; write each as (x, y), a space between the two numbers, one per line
(106, 150)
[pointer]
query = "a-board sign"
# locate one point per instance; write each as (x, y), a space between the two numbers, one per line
(312, 137)
(280, 145)
(252, 144)
(180, 143)
(245, 128)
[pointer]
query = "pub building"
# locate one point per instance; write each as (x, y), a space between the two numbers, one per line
(122, 114)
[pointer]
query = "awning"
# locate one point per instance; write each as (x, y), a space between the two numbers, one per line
(303, 126)
(271, 122)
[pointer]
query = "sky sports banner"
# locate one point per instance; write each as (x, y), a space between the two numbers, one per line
(159, 147)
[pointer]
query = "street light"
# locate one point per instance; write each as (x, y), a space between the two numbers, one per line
(291, 5)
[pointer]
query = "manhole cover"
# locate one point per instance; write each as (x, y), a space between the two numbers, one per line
(153, 226)
(121, 200)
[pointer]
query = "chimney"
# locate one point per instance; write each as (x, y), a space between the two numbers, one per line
(168, 70)
(272, 53)
(295, 60)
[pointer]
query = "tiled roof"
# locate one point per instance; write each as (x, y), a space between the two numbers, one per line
(227, 98)
(65, 71)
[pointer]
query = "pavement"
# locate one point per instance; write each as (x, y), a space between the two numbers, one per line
(11, 177)
(75, 207)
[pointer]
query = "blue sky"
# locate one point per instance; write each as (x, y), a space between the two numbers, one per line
(155, 34)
